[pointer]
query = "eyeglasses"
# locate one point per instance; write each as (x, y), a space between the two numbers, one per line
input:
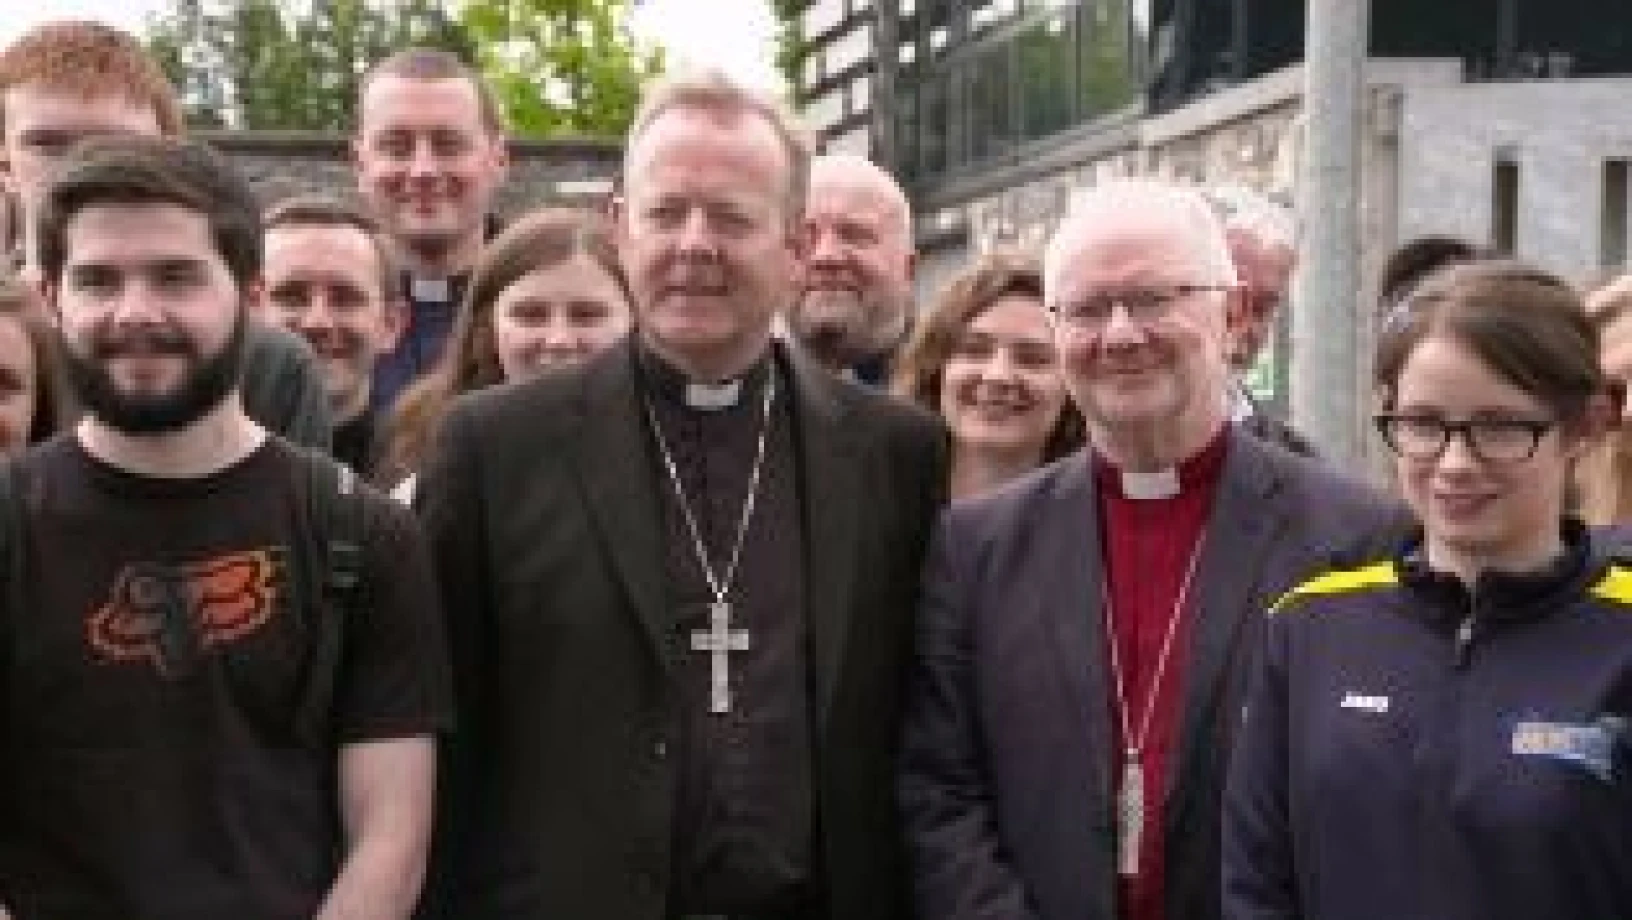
(1145, 306)
(1490, 440)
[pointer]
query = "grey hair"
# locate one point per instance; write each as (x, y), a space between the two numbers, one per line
(713, 90)
(851, 163)
(1148, 201)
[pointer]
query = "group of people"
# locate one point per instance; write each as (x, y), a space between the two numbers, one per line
(717, 580)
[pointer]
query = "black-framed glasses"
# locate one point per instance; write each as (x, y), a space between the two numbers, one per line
(1145, 305)
(1492, 440)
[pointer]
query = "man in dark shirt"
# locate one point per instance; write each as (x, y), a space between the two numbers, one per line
(329, 279)
(65, 81)
(197, 727)
(684, 576)
(430, 155)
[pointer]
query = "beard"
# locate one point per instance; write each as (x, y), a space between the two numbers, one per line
(845, 328)
(205, 384)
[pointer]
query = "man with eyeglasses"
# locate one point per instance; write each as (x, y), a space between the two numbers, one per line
(1084, 632)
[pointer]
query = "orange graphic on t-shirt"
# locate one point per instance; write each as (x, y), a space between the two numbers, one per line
(160, 612)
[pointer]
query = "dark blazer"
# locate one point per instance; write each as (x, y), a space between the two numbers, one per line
(1006, 773)
(542, 506)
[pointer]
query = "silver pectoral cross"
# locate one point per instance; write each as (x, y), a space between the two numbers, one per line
(719, 641)
(1130, 816)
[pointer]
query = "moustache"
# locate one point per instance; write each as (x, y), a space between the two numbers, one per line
(147, 341)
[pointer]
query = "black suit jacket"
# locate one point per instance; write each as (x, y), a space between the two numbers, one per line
(543, 511)
(1006, 779)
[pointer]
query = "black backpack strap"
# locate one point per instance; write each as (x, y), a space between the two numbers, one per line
(336, 512)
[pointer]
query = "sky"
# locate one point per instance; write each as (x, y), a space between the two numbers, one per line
(737, 35)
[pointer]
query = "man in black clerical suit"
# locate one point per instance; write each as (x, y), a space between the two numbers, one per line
(681, 578)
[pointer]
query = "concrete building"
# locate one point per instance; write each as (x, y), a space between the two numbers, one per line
(1503, 121)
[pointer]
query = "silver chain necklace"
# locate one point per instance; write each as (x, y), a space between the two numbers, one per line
(719, 640)
(1130, 800)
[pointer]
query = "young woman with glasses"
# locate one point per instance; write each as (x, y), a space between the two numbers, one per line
(1447, 733)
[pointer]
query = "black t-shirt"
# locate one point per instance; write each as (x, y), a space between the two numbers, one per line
(154, 764)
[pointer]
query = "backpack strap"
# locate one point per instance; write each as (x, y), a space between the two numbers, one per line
(335, 508)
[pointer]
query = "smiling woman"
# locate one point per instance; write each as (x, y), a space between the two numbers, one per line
(547, 292)
(984, 359)
(1356, 791)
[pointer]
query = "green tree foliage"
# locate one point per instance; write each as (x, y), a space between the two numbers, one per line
(276, 64)
(560, 66)
(790, 39)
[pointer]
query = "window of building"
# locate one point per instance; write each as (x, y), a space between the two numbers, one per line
(932, 132)
(856, 140)
(1613, 234)
(822, 16)
(861, 93)
(1109, 76)
(851, 48)
(1504, 214)
(815, 67)
(991, 105)
(1048, 76)
(826, 110)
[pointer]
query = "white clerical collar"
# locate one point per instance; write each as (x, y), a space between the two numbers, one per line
(429, 290)
(1163, 483)
(712, 397)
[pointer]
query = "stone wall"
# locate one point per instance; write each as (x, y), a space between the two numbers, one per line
(279, 163)
(1560, 134)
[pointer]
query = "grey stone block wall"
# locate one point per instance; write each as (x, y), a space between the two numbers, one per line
(280, 163)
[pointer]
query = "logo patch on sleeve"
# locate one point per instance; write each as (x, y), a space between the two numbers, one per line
(1590, 746)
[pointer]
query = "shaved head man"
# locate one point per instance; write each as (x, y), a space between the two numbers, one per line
(852, 310)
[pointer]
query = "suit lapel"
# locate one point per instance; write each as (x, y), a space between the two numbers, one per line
(1070, 563)
(1241, 530)
(613, 462)
(831, 495)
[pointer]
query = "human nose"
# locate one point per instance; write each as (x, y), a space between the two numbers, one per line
(1457, 452)
(1120, 327)
(1000, 366)
(825, 248)
(423, 161)
(318, 316)
(558, 335)
(696, 234)
(135, 303)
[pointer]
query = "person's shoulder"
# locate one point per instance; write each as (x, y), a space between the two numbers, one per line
(376, 511)
(1013, 506)
(268, 345)
(1314, 477)
(1338, 588)
(1339, 515)
(881, 409)
(538, 406)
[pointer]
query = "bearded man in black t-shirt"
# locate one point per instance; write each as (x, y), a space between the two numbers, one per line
(189, 733)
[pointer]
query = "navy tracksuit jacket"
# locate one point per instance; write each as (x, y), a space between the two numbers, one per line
(1416, 751)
